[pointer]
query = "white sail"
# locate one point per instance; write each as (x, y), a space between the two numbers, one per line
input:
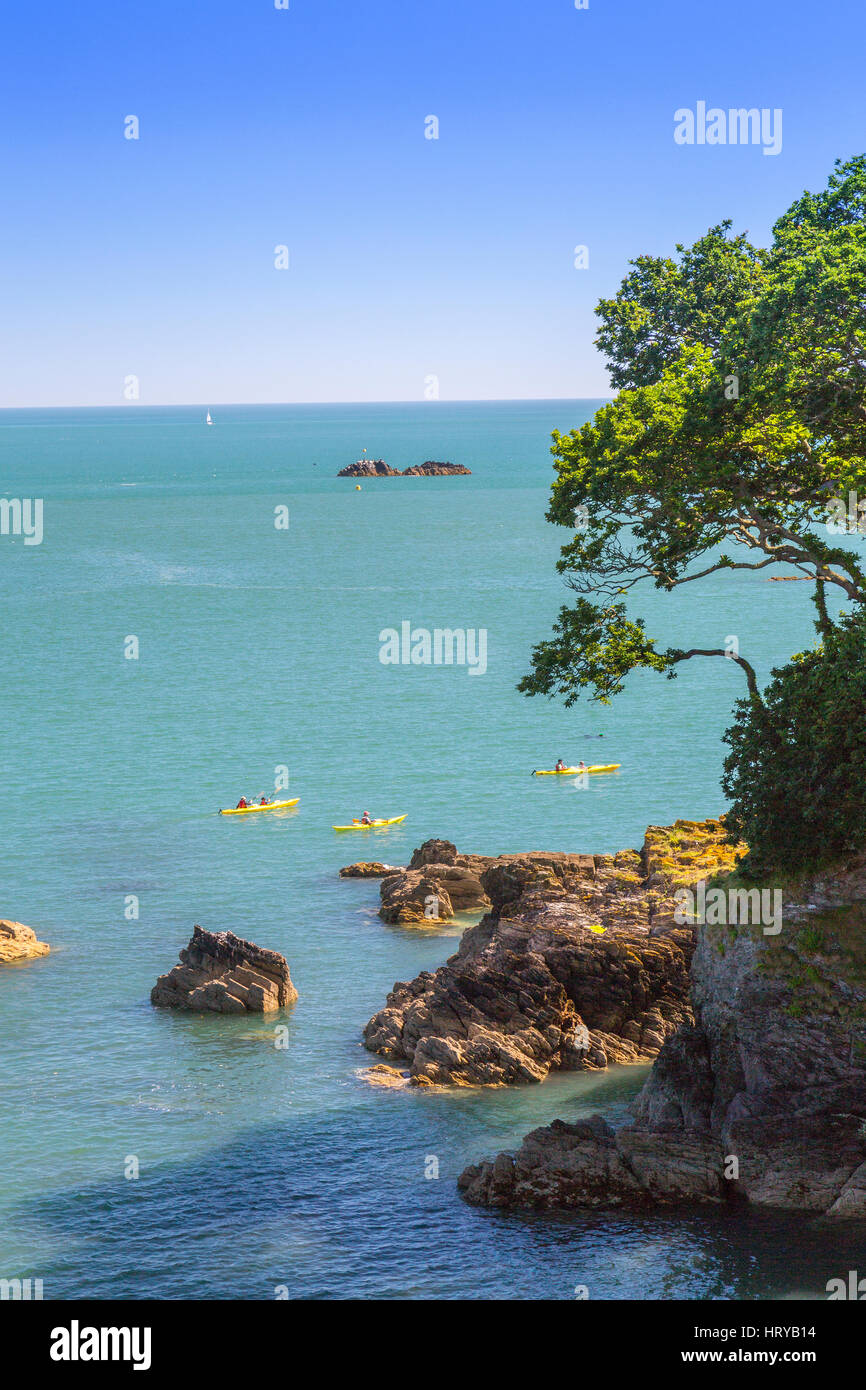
(208, 421)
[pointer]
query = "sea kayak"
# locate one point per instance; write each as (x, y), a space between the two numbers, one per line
(561, 772)
(373, 825)
(271, 806)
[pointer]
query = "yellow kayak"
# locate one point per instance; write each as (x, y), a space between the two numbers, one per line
(374, 825)
(596, 767)
(271, 806)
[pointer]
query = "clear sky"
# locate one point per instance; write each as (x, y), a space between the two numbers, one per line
(409, 257)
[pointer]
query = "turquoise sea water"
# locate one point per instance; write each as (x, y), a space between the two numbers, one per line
(262, 1166)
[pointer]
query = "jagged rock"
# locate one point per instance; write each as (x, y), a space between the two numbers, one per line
(437, 883)
(569, 969)
(433, 893)
(434, 852)
(369, 869)
(221, 973)
(18, 942)
(415, 896)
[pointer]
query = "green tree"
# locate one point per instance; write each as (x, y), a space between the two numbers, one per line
(796, 776)
(725, 443)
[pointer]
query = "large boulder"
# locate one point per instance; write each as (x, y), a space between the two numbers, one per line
(18, 942)
(221, 973)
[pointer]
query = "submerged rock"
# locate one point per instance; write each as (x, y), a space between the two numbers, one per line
(18, 942)
(222, 973)
(369, 869)
(390, 1077)
(577, 964)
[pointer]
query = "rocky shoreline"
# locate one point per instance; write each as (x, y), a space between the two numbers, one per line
(577, 963)
(761, 1099)
(757, 1033)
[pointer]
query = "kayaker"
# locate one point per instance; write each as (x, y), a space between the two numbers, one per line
(242, 804)
(581, 767)
(264, 801)
(560, 765)
(365, 819)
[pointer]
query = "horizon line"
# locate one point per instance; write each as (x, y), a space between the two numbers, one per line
(133, 406)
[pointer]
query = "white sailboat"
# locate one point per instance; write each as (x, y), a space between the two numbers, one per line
(208, 420)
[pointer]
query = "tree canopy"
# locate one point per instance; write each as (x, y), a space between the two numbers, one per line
(741, 412)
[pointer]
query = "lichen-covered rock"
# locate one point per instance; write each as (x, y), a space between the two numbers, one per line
(221, 973)
(18, 942)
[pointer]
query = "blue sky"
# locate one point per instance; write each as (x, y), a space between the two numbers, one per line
(409, 258)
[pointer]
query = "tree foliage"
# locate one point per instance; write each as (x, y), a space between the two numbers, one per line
(742, 413)
(796, 772)
(740, 416)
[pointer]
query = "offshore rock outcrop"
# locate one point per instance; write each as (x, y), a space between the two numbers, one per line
(761, 1099)
(221, 973)
(369, 468)
(18, 942)
(578, 963)
(432, 469)
(378, 468)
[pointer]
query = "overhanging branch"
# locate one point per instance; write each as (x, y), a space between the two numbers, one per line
(751, 679)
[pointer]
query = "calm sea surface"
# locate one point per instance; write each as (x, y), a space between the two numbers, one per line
(259, 648)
